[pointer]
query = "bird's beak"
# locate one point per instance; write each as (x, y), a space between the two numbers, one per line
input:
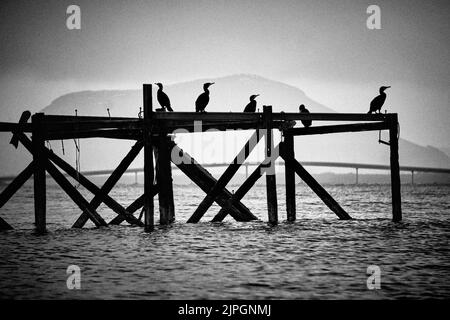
(211, 83)
(256, 95)
(387, 87)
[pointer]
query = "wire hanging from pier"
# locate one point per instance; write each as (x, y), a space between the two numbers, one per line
(77, 155)
(62, 147)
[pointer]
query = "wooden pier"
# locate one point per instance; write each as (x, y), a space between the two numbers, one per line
(153, 133)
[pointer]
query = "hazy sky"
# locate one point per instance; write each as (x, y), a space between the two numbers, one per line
(323, 47)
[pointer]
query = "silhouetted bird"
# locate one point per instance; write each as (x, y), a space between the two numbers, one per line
(203, 99)
(378, 101)
(163, 99)
(251, 106)
(23, 119)
(302, 109)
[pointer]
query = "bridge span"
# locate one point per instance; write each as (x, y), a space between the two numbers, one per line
(324, 164)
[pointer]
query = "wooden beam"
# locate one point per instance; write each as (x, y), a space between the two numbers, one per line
(271, 184)
(285, 116)
(289, 175)
(85, 125)
(15, 127)
(289, 116)
(15, 185)
(39, 159)
(243, 189)
(52, 118)
(4, 225)
(133, 207)
(313, 184)
(225, 178)
(148, 159)
(341, 128)
(205, 180)
(395, 170)
(109, 185)
(91, 187)
(164, 180)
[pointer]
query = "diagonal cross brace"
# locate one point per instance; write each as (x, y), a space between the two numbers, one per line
(4, 225)
(110, 202)
(110, 183)
(226, 176)
(313, 184)
(246, 186)
(12, 188)
(15, 185)
(73, 193)
(205, 180)
(133, 207)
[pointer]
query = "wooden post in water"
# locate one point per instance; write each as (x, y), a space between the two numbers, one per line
(148, 159)
(271, 184)
(164, 180)
(39, 159)
(289, 174)
(395, 169)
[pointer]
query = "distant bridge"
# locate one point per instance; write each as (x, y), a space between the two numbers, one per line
(351, 165)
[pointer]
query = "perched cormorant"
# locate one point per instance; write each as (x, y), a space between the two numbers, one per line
(251, 106)
(163, 99)
(203, 99)
(378, 101)
(302, 109)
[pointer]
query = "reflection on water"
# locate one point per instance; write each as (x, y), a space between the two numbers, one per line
(318, 256)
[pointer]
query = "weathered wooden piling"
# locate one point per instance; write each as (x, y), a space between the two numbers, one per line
(148, 159)
(395, 169)
(271, 184)
(39, 160)
(289, 175)
(164, 179)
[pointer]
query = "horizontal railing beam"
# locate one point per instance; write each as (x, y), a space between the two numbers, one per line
(341, 128)
(286, 116)
(11, 126)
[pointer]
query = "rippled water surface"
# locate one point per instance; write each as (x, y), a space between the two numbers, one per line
(318, 256)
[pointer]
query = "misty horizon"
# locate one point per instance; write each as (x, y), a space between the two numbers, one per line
(320, 47)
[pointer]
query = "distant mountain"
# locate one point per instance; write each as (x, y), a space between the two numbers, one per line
(446, 151)
(229, 93)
